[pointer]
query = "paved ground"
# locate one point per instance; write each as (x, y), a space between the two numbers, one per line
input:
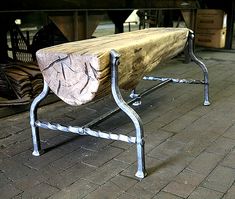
(189, 148)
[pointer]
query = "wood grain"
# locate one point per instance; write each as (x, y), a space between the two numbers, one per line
(77, 72)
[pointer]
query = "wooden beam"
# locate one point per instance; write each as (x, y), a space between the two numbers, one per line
(36, 5)
(78, 72)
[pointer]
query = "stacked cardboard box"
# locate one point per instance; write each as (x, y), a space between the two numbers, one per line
(211, 27)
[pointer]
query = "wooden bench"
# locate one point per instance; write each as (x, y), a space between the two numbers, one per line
(83, 71)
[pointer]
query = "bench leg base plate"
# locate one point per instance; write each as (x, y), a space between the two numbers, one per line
(38, 153)
(140, 174)
(206, 103)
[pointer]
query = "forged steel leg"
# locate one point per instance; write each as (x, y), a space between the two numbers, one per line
(202, 66)
(141, 173)
(33, 117)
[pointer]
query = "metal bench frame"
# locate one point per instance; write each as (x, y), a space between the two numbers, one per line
(122, 105)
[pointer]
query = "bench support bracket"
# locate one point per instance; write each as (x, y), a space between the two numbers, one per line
(138, 140)
(202, 66)
(33, 118)
(130, 112)
(192, 57)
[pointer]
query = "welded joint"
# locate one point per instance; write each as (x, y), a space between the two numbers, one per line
(137, 98)
(32, 123)
(140, 141)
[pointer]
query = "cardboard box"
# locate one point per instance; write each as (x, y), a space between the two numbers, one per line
(214, 38)
(211, 19)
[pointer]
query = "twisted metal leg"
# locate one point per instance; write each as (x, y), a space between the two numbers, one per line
(202, 66)
(141, 173)
(33, 117)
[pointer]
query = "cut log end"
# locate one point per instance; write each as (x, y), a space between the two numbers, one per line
(71, 77)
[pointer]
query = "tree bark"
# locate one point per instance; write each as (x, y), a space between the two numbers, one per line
(77, 72)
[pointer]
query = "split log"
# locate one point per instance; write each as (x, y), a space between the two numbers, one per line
(77, 72)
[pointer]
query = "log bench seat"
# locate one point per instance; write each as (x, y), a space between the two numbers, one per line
(82, 71)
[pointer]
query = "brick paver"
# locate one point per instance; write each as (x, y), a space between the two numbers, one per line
(220, 179)
(164, 195)
(203, 193)
(189, 147)
(230, 194)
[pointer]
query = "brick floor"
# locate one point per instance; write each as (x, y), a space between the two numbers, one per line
(189, 148)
